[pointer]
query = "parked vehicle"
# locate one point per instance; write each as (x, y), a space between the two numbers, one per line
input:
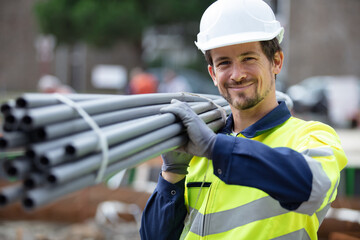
(335, 97)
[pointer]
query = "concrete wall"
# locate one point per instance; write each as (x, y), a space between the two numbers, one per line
(18, 66)
(324, 38)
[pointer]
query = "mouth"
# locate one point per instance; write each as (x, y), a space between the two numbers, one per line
(241, 86)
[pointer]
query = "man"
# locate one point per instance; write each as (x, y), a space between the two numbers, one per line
(266, 174)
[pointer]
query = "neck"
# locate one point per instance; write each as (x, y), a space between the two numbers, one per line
(245, 118)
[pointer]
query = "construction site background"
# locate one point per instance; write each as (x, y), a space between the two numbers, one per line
(321, 38)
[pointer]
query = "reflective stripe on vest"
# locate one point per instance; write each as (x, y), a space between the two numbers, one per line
(299, 234)
(321, 182)
(223, 221)
(321, 214)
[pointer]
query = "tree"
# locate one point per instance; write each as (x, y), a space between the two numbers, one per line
(104, 22)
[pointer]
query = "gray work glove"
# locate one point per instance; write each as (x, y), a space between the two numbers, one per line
(280, 96)
(201, 137)
(176, 162)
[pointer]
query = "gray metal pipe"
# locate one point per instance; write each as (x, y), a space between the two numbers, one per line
(41, 196)
(56, 130)
(52, 114)
(11, 194)
(33, 100)
(121, 131)
(134, 146)
(12, 119)
(7, 106)
(154, 151)
(34, 180)
(66, 172)
(13, 139)
(144, 155)
(52, 158)
(114, 134)
(61, 129)
(35, 150)
(17, 168)
(214, 114)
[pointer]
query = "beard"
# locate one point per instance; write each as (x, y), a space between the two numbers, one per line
(243, 101)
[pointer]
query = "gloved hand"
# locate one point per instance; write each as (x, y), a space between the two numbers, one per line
(201, 137)
(280, 96)
(176, 162)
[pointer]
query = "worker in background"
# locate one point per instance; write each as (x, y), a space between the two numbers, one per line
(142, 82)
(266, 174)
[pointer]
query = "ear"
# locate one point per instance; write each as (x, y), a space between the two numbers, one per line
(211, 71)
(278, 62)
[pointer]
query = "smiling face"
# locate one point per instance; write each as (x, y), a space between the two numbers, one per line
(244, 75)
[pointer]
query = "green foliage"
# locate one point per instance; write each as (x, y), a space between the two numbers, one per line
(55, 18)
(174, 11)
(103, 22)
(96, 22)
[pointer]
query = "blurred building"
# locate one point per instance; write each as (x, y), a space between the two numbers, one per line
(321, 39)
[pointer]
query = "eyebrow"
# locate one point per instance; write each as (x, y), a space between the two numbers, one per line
(249, 53)
(241, 55)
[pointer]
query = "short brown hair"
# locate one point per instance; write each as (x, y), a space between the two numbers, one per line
(269, 48)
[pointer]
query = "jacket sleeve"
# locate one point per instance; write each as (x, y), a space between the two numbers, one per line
(165, 211)
(301, 181)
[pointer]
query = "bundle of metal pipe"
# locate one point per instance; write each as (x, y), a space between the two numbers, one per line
(62, 152)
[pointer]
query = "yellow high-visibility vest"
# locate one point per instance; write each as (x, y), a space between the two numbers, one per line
(217, 210)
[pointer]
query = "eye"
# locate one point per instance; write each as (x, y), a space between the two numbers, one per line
(248, 59)
(223, 63)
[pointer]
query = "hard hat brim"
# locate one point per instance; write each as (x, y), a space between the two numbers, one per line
(239, 38)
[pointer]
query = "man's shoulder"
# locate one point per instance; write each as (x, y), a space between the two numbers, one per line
(309, 125)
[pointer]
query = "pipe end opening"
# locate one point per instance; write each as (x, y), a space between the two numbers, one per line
(20, 102)
(70, 150)
(28, 203)
(10, 119)
(27, 120)
(44, 161)
(29, 183)
(3, 143)
(3, 200)
(51, 179)
(12, 171)
(30, 153)
(41, 134)
(5, 108)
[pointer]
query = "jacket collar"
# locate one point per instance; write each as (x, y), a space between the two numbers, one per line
(274, 118)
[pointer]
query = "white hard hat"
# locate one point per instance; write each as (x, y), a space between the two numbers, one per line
(229, 22)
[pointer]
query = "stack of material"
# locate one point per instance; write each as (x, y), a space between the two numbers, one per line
(69, 143)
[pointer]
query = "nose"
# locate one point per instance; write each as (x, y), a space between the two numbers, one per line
(238, 73)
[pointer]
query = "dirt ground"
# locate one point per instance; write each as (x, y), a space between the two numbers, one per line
(37, 230)
(76, 217)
